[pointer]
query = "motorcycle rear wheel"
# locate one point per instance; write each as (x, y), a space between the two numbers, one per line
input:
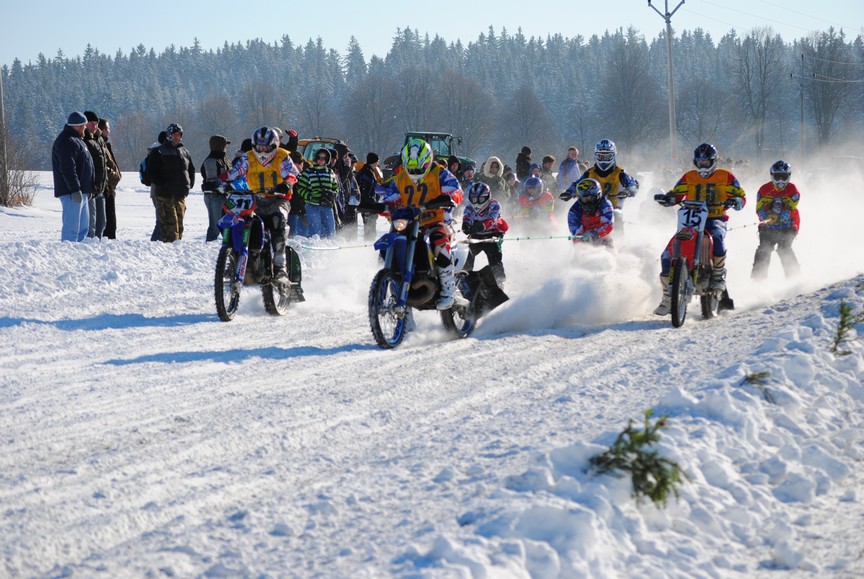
(277, 297)
(710, 305)
(227, 296)
(388, 325)
(678, 291)
(460, 321)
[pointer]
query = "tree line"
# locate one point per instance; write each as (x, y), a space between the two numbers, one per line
(746, 94)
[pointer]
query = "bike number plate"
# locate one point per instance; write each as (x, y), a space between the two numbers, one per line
(693, 216)
(240, 204)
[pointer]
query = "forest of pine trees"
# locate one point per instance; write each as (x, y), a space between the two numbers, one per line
(498, 93)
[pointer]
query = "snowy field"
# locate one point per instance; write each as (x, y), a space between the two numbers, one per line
(142, 437)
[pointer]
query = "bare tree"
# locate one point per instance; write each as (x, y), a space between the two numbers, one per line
(629, 100)
(20, 183)
(216, 116)
(131, 134)
(468, 111)
(372, 125)
(702, 110)
(417, 105)
(524, 119)
(757, 72)
(831, 78)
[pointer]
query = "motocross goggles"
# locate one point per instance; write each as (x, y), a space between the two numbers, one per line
(781, 177)
(703, 163)
(605, 157)
(264, 148)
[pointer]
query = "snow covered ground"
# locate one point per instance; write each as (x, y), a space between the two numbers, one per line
(143, 437)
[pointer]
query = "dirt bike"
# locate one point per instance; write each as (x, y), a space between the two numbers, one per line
(690, 273)
(246, 259)
(408, 280)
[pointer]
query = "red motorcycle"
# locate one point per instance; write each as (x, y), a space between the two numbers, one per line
(690, 273)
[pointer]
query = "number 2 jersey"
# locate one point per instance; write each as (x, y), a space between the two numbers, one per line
(715, 190)
(401, 190)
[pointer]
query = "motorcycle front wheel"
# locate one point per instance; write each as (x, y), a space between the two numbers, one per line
(678, 291)
(460, 321)
(388, 323)
(227, 296)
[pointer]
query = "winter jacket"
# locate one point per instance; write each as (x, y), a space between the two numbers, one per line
(778, 208)
(214, 165)
(568, 171)
(367, 180)
(523, 164)
(318, 185)
(495, 179)
(171, 170)
(99, 153)
(72, 164)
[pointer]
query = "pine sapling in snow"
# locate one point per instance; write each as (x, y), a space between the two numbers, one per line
(847, 321)
(653, 476)
(760, 379)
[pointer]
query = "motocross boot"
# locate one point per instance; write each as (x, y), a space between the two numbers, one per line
(280, 272)
(665, 306)
(448, 288)
(718, 274)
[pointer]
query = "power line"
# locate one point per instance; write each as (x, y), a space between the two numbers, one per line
(810, 16)
(760, 17)
(834, 61)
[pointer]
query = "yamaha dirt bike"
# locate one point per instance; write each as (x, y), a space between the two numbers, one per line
(408, 280)
(690, 273)
(246, 259)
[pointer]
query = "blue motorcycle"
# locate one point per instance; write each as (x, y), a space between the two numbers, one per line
(408, 280)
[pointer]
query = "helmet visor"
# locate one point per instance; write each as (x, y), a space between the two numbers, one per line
(605, 156)
(264, 148)
(703, 163)
(782, 177)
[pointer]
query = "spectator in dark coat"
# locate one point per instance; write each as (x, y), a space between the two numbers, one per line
(73, 177)
(173, 175)
(368, 177)
(99, 152)
(113, 177)
(523, 163)
(214, 165)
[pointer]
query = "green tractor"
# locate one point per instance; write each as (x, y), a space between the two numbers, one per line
(443, 144)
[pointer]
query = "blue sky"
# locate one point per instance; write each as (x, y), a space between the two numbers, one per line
(48, 25)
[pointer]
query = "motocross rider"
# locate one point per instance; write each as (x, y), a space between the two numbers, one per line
(269, 169)
(591, 218)
(482, 220)
(420, 181)
(777, 208)
(720, 189)
(616, 183)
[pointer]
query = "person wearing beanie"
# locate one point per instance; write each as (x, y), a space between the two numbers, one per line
(99, 152)
(214, 165)
(72, 168)
(172, 173)
(368, 177)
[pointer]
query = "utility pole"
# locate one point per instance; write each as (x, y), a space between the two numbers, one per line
(4, 161)
(673, 130)
(800, 82)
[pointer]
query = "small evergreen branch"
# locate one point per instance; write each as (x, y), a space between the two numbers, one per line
(653, 476)
(759, 380)
(847, 321)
